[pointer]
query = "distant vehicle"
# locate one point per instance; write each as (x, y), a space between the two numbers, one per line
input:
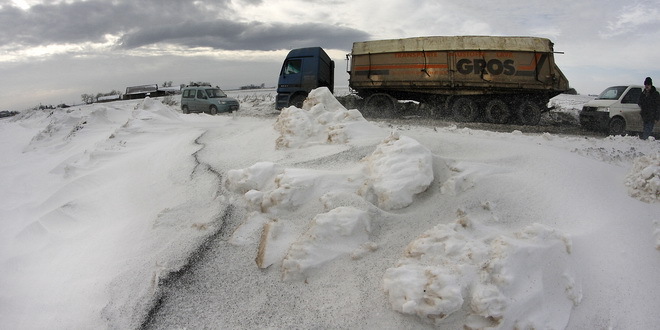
(142, 91)
(6, 113)
(497, 79)
(304, 69)
(615, 111)
(204, 98)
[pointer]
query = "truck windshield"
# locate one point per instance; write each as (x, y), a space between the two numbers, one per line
(292, 66)
(215, 93)
(612, 93)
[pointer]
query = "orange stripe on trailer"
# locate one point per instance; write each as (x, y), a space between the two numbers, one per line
(400, 66)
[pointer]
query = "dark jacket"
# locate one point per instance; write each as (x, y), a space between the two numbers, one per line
(650, 103)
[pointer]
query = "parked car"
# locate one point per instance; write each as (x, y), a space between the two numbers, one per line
(204, 98)
(615, 111)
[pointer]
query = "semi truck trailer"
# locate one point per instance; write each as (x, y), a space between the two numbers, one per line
(496, 79)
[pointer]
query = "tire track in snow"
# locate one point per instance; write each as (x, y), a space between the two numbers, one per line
(166, 283)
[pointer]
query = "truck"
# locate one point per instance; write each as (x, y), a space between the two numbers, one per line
(142, 91)
(304, 69)
(496, 79)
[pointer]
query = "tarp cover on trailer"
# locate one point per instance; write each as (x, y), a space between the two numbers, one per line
(458, 43)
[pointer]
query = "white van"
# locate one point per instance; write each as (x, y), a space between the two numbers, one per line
(615, 111)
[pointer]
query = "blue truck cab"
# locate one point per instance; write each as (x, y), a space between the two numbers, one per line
(303, 70)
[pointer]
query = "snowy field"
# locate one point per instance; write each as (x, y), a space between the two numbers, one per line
(128, 214)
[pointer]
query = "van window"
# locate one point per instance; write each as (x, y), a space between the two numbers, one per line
(200, 94)
(188, 94)
(632, 96)
(612, 93)
(292, 66)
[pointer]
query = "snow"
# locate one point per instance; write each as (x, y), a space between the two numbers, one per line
(321, 218)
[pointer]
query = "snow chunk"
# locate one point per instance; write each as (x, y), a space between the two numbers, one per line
(643, 181)
(256, 177)
(323, 120)
(275, 241)
(338, 232)
(498, 275)
(399, 168)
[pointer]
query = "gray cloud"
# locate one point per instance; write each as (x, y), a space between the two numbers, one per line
(225, 34)
(141, 23)
(88, 21)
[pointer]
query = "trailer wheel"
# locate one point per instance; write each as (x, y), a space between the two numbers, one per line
(529, 113)
(380, 106)
(617, 126)
(497, 111)
(465, 109)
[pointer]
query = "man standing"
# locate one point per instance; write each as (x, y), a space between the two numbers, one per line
(649, 101)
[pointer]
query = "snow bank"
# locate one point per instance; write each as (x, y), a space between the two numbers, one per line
(506, 280)
(322, 120)
(389, 178)
(399, 168)
(643, 181)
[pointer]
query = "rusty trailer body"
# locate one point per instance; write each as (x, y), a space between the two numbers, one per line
(499, 79)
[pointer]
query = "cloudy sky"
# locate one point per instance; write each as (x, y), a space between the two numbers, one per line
(53, 51)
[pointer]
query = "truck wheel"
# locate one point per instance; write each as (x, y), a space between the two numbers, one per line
(213, 110)
(185, 110)
(617, 126)
(497, 111)
(529, 113)
(380, 106)
(297, 101)
(465, 109)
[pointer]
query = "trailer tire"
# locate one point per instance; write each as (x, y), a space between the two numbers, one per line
(616, 126)
(380, 106)
(465, 109)
(497, 111)
(529, 113)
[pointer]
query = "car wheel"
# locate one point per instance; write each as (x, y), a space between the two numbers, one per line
(185, 109)
(213, 110)
(617, 126)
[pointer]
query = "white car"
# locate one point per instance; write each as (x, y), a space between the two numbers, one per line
(615, 111)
